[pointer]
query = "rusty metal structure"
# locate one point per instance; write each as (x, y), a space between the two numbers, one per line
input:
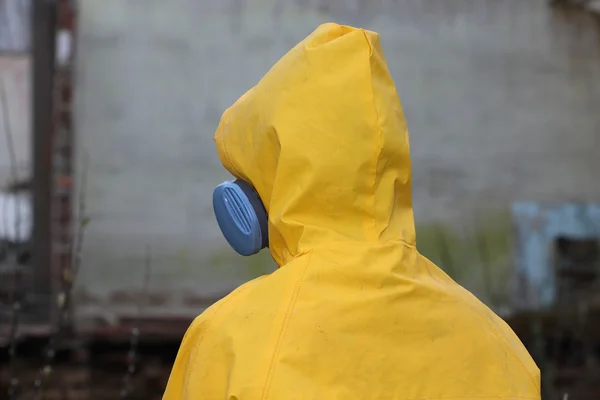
(37, 288)
(62, 188)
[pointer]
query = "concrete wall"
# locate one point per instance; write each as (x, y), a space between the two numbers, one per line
(15, 116)
(15, 25)
(15, 107)
(501, 101)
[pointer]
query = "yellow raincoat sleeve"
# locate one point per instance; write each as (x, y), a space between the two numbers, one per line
(191, 360)
(179, 380)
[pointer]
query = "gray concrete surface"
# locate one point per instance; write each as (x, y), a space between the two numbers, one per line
(14, 90)
(15, 25)
(501, 99)
(14, 116)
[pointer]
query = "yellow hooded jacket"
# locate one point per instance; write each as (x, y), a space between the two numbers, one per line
(354, 311)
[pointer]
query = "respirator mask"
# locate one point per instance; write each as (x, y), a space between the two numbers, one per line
(241, 216)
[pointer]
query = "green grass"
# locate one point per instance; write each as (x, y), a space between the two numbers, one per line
(478, 257)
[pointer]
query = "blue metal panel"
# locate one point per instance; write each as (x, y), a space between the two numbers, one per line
(537, 226)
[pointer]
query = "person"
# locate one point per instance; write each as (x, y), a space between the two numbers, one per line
(319, 149)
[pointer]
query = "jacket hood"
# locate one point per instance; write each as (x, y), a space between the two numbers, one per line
(323, 140)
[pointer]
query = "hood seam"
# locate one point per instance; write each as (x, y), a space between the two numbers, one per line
(379, 141)
(284, 327)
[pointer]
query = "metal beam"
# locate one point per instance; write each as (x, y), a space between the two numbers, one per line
(44, 20)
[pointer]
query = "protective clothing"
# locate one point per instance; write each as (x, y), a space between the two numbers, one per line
(354, 311)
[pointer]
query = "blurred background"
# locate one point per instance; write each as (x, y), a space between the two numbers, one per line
(108, 244)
